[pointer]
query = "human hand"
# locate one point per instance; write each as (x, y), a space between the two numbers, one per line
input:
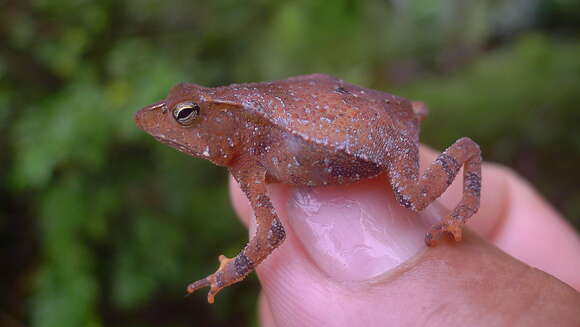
(353, 256)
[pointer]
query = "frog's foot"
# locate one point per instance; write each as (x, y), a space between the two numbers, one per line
(215, 281)
(447, 225)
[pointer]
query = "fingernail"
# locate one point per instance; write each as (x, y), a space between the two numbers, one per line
(358, 231)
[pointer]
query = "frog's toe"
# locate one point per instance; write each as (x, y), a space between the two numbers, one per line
(212, 281)
(455, 230)
(433, 235)
(446, 226)
(215, 281)
(198, 285)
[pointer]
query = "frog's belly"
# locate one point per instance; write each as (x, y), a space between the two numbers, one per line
(298, 162)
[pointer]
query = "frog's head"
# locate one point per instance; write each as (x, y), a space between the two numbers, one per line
(189, 121)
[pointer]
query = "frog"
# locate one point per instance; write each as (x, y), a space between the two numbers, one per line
(309, 130)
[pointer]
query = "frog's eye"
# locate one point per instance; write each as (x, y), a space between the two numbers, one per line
(186, 112)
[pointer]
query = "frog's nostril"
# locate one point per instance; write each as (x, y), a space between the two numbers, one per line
(157, 106)
(141, 115)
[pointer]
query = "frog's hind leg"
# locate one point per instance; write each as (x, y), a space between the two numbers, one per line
(269, 235)
(417, 193)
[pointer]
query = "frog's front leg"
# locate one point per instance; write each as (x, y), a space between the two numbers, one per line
(417, 193)
(269, 234)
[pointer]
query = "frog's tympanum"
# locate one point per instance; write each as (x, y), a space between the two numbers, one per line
(312, 130)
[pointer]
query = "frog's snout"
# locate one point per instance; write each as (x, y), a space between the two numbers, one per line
(145, 114)
(140, 119)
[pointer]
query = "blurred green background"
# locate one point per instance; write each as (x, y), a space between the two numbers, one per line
(102, 226)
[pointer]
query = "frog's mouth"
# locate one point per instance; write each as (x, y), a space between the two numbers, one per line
(172, 143)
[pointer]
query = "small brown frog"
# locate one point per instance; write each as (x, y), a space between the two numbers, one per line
(310, 130)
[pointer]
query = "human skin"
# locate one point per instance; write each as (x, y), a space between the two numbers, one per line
(317, 278)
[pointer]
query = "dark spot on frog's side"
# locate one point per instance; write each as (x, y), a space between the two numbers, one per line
(356, 168)
(341, 90)
(259, 148)
(405, 201)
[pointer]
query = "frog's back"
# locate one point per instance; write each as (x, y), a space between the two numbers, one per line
(322, 109)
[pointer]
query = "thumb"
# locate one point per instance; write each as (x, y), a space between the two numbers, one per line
(353, 256)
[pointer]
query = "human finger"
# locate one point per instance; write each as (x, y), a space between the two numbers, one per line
(353, 256)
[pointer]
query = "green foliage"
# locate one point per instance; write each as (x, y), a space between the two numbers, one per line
(115, 224)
